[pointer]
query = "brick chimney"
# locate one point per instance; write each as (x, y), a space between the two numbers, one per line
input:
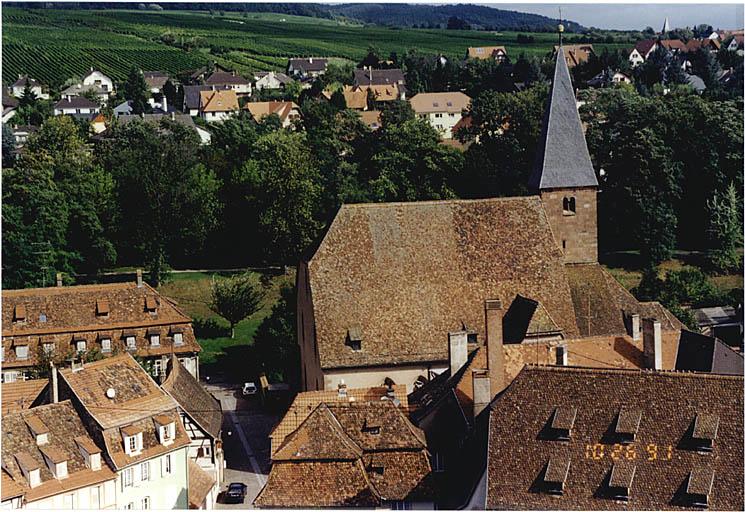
(139, 278)
(494, 344)
(53, 387)
(652, 335)
(562, 355)
(458, 350)
(481, 391)
(636, 328)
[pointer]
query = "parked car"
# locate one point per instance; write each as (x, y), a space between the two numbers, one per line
(236, 493)
(249, 388)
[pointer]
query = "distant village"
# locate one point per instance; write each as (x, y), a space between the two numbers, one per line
(454, 354)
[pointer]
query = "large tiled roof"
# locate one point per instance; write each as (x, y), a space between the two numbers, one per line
(21, 394)
(218, 101)
(63, 427)
(562, 159)
(663, 453)
(426, 102)
(200, 484)
(308, 64)
(379, 77)
(406, 274)
(75, 102)
(9, 488)
(260, 109)
(700, 353)
(224, 78)
(203, 408)
(25, 79)
(155, 79)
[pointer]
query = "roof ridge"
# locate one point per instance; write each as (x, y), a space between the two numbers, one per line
(532, 197)
(628, 371)
(63, 289)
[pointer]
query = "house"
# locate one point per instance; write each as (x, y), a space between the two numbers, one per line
(576, 53)
(19, 87)
(71, 321)
(287, 111)
(22, 132)
(696, 82)
(351, 454)
(443, 110)
(48, 453)
(217, 105)
(10, 105)
(372, 305)
(155, 81)
(607, 77)
(309, 67)
(137, 427)
(76, 106)
(354, 97)
(198, 76)
(589, 439)
(271, 80)
(97, 78)
(702, 353)
(237, 83)
(98, 124)
(22, 394)
(11, 493)
(381, 78)
(383, 93)
(736, 43)
(674, 46)
(371, 118)
(695, 45)
(192, 99)
(201, 415)
(641, 52)
(101, 85)
(723, 322)
(498, 53)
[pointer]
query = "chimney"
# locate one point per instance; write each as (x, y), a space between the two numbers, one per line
(310, 60)
(481, 391)
(59, 279)
(636, 328)
(139, 278)
(53, 388)
(652, 334)
(494, 350)
(562, 355)
(164, 103)
(458, 350)
(342, 387)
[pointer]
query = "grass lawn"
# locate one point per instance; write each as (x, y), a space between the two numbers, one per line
(192, 292)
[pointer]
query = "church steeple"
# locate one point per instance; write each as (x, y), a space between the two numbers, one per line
(563, 159)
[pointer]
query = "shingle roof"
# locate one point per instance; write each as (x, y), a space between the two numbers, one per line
(75, 102)
(9, 488)
(191, 94)
(454, 102)
(668, 403)
(64, 426)
(371, 118)
(370, 270)
(155, 79)
(281, 77)
(700, 353)
(562, 159)
(643, 47)
(575, 53)
(218, 101)
(200, 484)
(203, 408)
(354, 97)
(379, 77)
(21, 394)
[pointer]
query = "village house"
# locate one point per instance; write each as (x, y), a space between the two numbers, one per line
(641, 52)
(351, 454)
(57, 323)
(381, 79)
(308, 67)
(155, 81)
(372, 305)
(497, 53)
(76, 106)
(614, 439)
(735, 43)
(237, 83)
(201, 415)
(137, 426)
(217, 105)
(287, 111)
(702, 353)
(723, 322)
(271, 80)
(711, 45)
(54, 462)
(607, 77)
(355, 98)
(10, 105)
(192, 99)
(576, 53)
(19, 87)
(443, 110)
(101, 85)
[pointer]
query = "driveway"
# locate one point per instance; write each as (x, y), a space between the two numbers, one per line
(246, 428)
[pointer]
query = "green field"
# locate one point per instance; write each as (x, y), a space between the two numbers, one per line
(54, 45)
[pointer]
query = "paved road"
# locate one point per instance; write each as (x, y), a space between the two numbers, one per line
(246, 429)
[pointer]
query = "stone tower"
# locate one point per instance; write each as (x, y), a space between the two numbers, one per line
(563, 175)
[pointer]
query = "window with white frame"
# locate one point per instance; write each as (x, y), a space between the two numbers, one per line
(80, 345)
(48, 348)
(167, 433)
(146, 503)
(127, 478)
(158, 367)
(145, 471)
(133, 443)
(22, 352)
(178, 338)
(167, 465)
(9, 377)
(155, 340)
(105, 344)
(131, 343)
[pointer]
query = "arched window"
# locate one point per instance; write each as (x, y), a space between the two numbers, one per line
(569, 206)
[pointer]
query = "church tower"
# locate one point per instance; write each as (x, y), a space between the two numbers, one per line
(563, 175)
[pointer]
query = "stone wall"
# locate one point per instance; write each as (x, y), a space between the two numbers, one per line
(576, 232)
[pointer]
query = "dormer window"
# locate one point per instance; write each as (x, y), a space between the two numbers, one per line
(48, 347)
(30, 468)
(569, 206)
(38, 429)
(700, 481)
(22, 352)
(154, 335)
(90, 452)
(80, 344)
(105, 344)
(151, 305)
(166, 429)
(705, 428)
(371, 426)
(178, 336)
(627, 425)
(130, 340)
(132, 437)
(56, 461)
(354, 338)
(556, 475)
(102, 308)
(621, 478)
(563, 422)
(19, 313)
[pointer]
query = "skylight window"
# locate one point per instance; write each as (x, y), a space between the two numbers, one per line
(621, 478)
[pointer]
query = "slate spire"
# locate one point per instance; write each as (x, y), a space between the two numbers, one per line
(562, 160)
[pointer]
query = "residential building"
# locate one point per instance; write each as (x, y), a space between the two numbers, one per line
(723, 322)
(192, 99)
(47, 452)
(69, 321)
(608, 77)
(76, 106)
(198, 76)
(19, 86)
(22, 394)
(101, 85)
(98, 79)
(354, 97)
(201, 415)
(22, 132)
(351, 454)
(371, 118)
(137, 426)
(98, 124)
(696, 82)
(702, 353)
(217, 105)
(287, 111)
(237, 83)
(641, 51)
(711, 45)
(383, 93)
(736, 43)
(380, 79)
(308, 67)
(271, 80)
(674, 46)
(11, 493)
(10, 105)
(590, 439)
(576, 53)
(443, 110)
(155, 81)
(498, 53)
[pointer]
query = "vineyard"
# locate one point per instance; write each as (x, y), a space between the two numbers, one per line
(55, 45)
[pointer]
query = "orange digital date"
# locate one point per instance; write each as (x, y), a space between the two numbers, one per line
(599, 451)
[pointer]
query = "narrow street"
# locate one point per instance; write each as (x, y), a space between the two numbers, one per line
(246, 429)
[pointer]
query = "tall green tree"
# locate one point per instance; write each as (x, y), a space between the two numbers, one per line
(236, 298)
(276, 340)
(725, 230)
(136, 91)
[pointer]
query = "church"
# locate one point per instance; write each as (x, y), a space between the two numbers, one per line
(397, 291)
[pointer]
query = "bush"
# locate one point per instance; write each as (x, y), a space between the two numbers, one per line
(209, 328)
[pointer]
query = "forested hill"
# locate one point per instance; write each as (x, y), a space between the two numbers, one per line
(392, 15)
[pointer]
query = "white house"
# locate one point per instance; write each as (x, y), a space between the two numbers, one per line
(20, 85)
(217, 105)
(237, 83)
(642, 50)
(100, 80)
(271, 80)
(307, 67)
(76, 106)
(443, 110)
(139, 425)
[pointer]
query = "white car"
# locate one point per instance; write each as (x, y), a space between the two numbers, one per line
(249, 388)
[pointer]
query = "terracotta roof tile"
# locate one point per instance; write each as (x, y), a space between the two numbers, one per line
(9, 488)
(218, 101)
(485, 52)
(283, 109)
(203, 408)
(200, 484)
(21, 394)
(426, 102)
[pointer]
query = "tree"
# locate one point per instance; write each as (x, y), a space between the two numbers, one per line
(724, 231)
(28, 98)
(136, 91)
(396, 112)
(372, 59)
(338, 100)
(235, 298)
(455, 23)
(276, 340)
(9, 146)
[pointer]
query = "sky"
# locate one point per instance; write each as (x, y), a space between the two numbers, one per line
(638, 16)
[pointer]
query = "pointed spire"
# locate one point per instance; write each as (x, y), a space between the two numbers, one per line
(665, 26)
(563, 160)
